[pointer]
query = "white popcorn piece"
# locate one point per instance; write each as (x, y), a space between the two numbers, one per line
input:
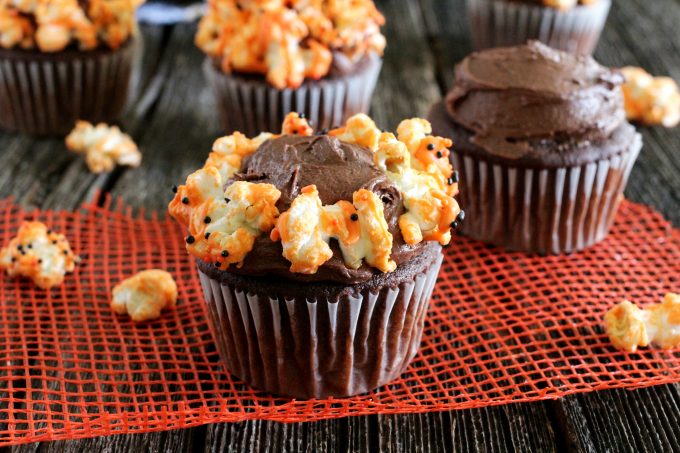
(145, 295)
(104, 146)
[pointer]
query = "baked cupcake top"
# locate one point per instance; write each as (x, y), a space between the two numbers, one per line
(290, 40)
(337, 207)
(515, 99)
(55, 25)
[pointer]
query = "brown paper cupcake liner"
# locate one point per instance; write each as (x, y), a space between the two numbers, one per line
(546, 211)
(250, 105)
(318, 348)
(499, 23)
(45, 94)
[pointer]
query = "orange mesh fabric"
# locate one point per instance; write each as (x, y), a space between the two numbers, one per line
(503, 327)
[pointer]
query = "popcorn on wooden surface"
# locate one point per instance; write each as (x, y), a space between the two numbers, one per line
(651, 100)
(39, 254)
(104, 146)
(144, 295)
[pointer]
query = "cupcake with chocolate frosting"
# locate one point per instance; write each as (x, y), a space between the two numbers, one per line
(543, 146)
(319, 58)
(318, 253)
(571, 25)
(61, 61)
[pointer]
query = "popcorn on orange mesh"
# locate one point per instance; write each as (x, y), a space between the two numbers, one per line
(144, 295)
(288, 40)
(630, 327)
(53, 25)
(104, 146)
(39, 254)
(651, 100)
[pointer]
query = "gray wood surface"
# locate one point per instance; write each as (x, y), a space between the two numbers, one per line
(173, 118)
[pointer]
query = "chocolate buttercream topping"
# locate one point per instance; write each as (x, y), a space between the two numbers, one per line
(338, 169)
(509, 98)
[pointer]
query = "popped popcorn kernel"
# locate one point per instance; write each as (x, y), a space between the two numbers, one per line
(650, 100)
(104, 146)
(630, 327)
(145, 295)
(39, 254)
(359, 129)
(296, 124)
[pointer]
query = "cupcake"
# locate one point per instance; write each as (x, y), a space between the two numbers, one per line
(542, 144)
(571, 25)
(318, 253)
(321, 59)
(61, 61)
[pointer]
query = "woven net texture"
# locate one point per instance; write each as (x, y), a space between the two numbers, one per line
(502, 327)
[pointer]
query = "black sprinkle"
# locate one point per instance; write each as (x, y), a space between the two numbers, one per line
(461, 216)
(65, 252)
(450, 181)
(430, 146)
(295, 131)
(354, 217)
(54, 241)
(49, 231)
(455, 176)
(206, 235)
(190, 239)
(454, 224)
(23, 252)
(39, 261)
(440, 154)
(20, 247)
(14, 259)
(30, 246)
(225, 253)
(185, 200)
(217, 264)
(174, 189)
(207, 219)
(302, 115)
(323, 131)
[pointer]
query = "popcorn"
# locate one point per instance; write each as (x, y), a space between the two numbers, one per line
(360, 130)
(104, 146)
(53, 25)
(629, 326)
(288, 40)
(651, 100)
(144, 295)
(295, 124)
(360, 229)
(39, 254)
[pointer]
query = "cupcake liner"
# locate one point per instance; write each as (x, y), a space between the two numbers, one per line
(316, 348)
(546, 211)
(250, 105)
(499, 23)
(45, 94)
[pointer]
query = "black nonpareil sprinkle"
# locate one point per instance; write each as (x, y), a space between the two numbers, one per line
(461, 216)
(207, 235)
(207, 219)
(455, 176)
(354, 217)
(225, 253)
(454, 224)
(440, 154)
(174, 189)
(190, 239)
(430, 146)
(185, 200)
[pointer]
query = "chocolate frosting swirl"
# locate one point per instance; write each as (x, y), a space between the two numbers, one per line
(512, 98)
(338, 169)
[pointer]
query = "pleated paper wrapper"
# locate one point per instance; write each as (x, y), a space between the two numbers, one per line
(501, 23)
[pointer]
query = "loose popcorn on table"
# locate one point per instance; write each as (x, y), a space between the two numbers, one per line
(651, 100)
(144, 295)
(630, 327)
(104, 146)
(39, 254)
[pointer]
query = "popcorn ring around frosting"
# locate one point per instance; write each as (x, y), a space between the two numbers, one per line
(630, 327)
(223, 224)
(650, 100)
(52, 25)
(39, 254)
(144, 295)
(104, 146)
(288, 40)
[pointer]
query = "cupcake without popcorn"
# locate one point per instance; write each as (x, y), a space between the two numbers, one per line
(321, 58)
(571, 25)
(318, 254)
(64, 60)
(542, 144)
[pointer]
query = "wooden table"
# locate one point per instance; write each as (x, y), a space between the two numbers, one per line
(174, 121)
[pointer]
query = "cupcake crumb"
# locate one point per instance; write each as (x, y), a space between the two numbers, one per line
(39, 254)
(630, 327)
(104, 146)
(651, 100)
(144, 295)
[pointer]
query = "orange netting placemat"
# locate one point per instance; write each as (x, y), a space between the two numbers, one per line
(502, 327)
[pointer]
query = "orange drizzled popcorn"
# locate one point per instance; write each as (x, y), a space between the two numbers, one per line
(288, 40)
(53, 25)
(360, 229)
(39, 254)
(650, 100)
(630, 327)
(145, 295)
(104, 146)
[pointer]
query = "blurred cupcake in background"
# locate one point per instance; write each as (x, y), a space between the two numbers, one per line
(320, 58)
(64, 60)
(571, 25)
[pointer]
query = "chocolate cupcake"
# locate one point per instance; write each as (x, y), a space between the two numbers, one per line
(321, 59)
(571, 25)
(64, 61)
(318, 253)
(543, 147)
